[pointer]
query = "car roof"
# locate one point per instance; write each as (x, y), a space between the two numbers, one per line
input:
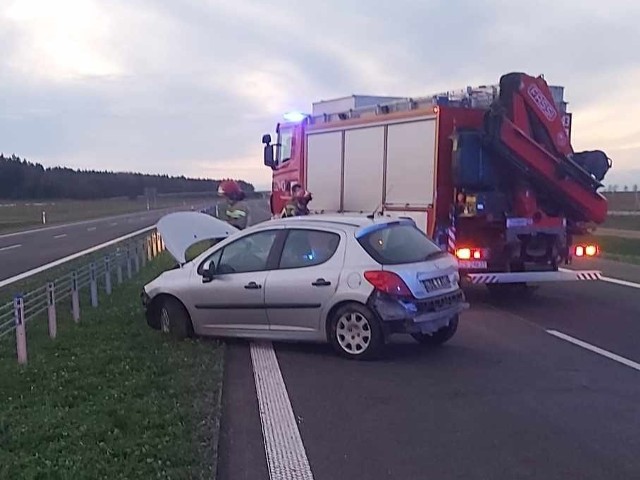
(351, 220)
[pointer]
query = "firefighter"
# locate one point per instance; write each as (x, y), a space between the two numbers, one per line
(298, 205)
(232, 209)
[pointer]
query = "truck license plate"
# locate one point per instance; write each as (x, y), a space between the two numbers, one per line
(472, 264)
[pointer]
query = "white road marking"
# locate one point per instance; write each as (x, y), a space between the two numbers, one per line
(91, 229)
(286, 457)
(615, 281)
(62, 235)
(598, 350)
(10, 247)
(22, 276)
(620, 282)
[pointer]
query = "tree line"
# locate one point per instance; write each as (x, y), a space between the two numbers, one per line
(21, 179)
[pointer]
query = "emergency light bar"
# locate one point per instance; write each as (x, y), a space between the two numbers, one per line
(295, 116)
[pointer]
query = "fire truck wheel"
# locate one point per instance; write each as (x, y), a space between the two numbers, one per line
(440, 337)
(355, 332)
(174, 318)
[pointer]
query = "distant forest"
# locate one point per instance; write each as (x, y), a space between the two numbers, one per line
(20, 179)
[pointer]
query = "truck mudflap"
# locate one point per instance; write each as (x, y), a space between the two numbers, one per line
(562, 275)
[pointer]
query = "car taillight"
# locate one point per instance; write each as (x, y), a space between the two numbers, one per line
(388, 282)
(586, 250)
(469, 253)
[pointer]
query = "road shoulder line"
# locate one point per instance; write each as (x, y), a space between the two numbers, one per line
(286, 456)
(594, 349)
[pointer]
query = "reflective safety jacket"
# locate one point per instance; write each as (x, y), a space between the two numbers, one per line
(235, 213)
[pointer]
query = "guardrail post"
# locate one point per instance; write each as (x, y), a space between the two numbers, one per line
(136, 258)
(152, 250)
(107, 275)
(21, 333)
(158, 244)
(143, 253)
(161, 243)
(147, 241)
(75, 297)
(51, 310)
(129, 272)
(93, 284)
(119, 268)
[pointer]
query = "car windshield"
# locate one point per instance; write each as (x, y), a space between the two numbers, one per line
(398, 243)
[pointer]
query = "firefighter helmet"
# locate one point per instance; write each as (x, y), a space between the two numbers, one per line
(230, 189)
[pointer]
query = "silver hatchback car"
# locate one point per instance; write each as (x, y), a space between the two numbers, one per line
(351, 281)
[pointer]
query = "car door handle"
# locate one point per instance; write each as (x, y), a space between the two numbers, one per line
(321, 282)
(252, 286)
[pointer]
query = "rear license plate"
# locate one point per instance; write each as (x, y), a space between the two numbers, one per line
(472, 264)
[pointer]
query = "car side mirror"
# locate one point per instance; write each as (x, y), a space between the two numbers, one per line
(268, 156)
(266, 139)
(209, 273)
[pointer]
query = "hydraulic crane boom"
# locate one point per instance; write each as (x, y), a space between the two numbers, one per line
(524, 126)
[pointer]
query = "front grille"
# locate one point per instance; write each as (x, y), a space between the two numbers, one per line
(438, 283)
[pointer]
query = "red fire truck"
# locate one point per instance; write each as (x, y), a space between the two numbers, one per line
(488, 173)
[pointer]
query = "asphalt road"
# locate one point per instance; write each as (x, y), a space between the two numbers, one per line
(23, 251)
(505, 399)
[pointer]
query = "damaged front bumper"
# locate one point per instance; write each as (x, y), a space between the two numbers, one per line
(427, 315)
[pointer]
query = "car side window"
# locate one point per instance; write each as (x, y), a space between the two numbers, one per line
(306, 248)
(248, 254)
(211, 262)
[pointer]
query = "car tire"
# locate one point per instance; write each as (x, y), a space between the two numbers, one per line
(363, 326)
(174, 318)
(439, 337)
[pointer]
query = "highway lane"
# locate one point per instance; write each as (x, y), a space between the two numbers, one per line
(23, 251)
(503, 400)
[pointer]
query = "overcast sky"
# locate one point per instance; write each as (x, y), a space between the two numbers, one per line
(189, 86)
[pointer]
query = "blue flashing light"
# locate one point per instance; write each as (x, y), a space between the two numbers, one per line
(294, 116)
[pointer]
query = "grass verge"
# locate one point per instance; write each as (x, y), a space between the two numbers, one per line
(110, 397)
(622, 222)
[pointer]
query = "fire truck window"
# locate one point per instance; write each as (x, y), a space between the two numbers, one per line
(284, 152)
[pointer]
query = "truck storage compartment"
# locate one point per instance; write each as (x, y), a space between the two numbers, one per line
(473, 166)
(363, 169)
(411, 150)
(324, 169)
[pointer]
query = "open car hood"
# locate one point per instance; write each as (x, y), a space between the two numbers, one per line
(181, 230)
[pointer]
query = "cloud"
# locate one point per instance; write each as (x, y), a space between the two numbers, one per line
(189, 86)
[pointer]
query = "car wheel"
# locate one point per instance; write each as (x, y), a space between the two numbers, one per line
(174, 318)
(355, 332)
(439, 337)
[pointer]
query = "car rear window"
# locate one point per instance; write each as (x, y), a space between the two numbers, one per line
(398, 243)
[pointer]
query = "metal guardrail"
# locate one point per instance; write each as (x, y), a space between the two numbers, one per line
(624, 213)
(118, 265)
